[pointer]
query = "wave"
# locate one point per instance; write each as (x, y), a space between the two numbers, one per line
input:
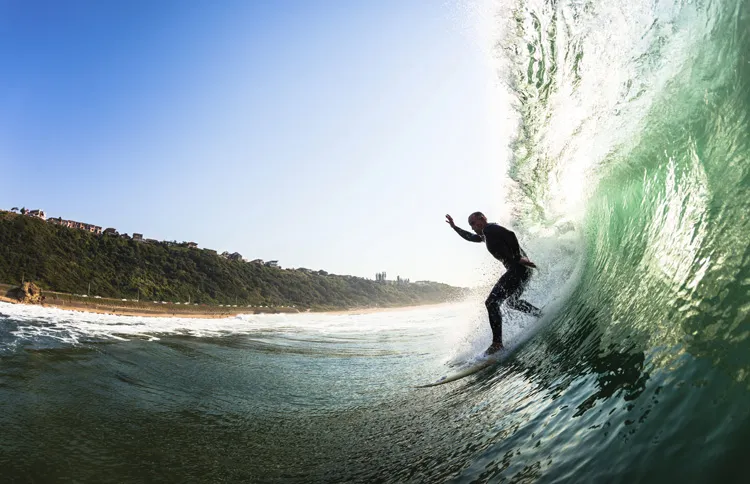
(632, 141)
(630, 168)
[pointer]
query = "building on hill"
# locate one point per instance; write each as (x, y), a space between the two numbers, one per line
(272, 263)
(65, 223)
(257, 261)
(192, 245)
(111, 231)
(235, 256)
(137, 237)
(37, 213)
(57, 221)
(72, 224)
(94, 229)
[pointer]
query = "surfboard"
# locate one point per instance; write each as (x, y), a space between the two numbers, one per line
(485, 362)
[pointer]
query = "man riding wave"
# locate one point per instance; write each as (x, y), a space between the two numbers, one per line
(503, 245)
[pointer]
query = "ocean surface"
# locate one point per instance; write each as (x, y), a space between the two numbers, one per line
(630, 188)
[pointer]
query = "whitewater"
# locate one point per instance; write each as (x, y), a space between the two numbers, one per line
(627, 174)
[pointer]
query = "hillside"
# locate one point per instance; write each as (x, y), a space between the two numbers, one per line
(70, 260)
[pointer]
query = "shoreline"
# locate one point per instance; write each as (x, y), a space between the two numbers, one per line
(171, 312)
(356, 311)
(120, 311)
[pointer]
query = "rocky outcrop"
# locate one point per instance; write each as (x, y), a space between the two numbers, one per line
(28, 293)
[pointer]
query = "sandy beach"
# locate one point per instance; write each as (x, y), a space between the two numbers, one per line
(106, 306)
(205, 313)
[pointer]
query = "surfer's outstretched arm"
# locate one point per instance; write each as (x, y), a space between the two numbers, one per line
(463, 233)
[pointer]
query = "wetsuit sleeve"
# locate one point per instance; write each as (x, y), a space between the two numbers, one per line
(467, 235)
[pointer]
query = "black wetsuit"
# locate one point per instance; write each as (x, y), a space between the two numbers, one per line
(503, 245)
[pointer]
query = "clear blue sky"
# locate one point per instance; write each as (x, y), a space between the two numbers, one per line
(326, 134)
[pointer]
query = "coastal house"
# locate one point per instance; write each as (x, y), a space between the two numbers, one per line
(151, 241)
(37, 213)
(94, 229)
(272, 263)
(57, 221)
(192, 245)
(137, 237)
(111, 231)
(257, 261)
(235, 256)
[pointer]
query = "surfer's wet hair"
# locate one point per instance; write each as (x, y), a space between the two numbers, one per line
(476, 215)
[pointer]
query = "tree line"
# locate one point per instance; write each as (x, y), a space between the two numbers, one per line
(69, 260)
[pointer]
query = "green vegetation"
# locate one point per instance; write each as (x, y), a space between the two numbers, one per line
(68, 260)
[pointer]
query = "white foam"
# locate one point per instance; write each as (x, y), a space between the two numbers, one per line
(65, 326)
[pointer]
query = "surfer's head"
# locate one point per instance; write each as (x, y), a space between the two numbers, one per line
(478, 222)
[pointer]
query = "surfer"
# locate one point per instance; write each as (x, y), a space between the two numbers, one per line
(503, 245)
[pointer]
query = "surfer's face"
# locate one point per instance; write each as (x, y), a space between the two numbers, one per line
(478, 224)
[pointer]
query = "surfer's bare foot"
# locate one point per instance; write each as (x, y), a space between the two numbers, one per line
(494, 348)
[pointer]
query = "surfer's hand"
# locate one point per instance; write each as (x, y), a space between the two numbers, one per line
(525, 261)
(449, 220)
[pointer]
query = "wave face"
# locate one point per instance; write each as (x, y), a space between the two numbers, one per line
(634, 132)
(630, 174)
